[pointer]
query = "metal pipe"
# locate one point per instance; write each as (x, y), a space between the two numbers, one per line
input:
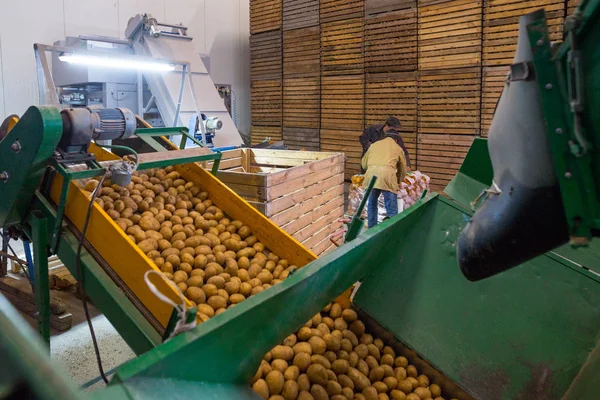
(178, 109)
(105, 39)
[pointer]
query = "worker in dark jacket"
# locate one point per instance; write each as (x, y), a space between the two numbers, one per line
(375, 133)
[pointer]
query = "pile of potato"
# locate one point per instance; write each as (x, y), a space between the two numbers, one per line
(216, 262)
(332, 357)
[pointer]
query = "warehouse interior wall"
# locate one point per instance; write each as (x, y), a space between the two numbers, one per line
(219, 28)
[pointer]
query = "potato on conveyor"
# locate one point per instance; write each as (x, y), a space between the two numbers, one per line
(322, 361)
(215, 261)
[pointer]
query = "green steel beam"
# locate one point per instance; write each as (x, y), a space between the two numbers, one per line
(152, 142)
(182, 160)
(39, 228)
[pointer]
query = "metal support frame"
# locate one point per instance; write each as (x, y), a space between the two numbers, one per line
(573, 168)
(39, 235)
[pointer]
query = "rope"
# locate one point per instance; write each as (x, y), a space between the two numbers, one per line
(494, 189)
(181, 325)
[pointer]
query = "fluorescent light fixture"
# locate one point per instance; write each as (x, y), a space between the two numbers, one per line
(114, 62)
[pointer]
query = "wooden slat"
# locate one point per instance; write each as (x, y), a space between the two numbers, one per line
(301, 52)
(266, 102)
(346, 142)
(501, 26)
(449, 33)
(440, 156)
(449, 101)
(391, 42)
(493, 81)
(374, 7)
(265, 55)
(303, 227)
(328, 225)
(342, 102)
(302, 103)
(265, 15)
(259, 133)
(342, 47)
(300, 14)
(337, 10)
(307, 205)
(572, 6)
(301, 138)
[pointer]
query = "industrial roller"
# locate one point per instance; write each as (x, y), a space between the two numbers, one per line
(530, 332)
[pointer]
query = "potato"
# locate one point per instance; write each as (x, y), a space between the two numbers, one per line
(348, 334)
(217, 302)
(216, 280)
(405, 386)
(370, 393)
(374, 352)
(180, 276)
(397, 395)
(149, 223)
(317, 374)
(148, 245)
(358, 378)
(195, 294)
(185, 267)
(358, 328)
(164, 244)
(318, 345)
(423, 393)
(411, 371)
(195, 280)
(275, 382)
(336, 311)
(206, 309)
(261, 388)
(318, 392)
(279, 365)
(302, 360)
(182, 286)
(290, 390)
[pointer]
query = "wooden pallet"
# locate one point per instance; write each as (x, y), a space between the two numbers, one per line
(338, 10)
(374, 7)
(302, 52)
(342, 102)
(501, 26)
(344, 141)
(258, 134)
(342, 47)
(572, 6)
(265, 55)
(440, 156)
(449, 33)
(493, 81)
(300, 14)
(391, 42)
(301, 102)
(449, 101)
(303, 192)
(301, 138)
(265, 15)
(266, 102)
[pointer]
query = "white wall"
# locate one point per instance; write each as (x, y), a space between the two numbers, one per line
(219, 28)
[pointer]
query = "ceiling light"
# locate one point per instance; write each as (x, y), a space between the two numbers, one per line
(113, 62)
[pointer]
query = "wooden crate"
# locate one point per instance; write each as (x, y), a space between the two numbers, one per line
(300, 14)
(342, 102)
(449, 101)
(344, 141)
(258, 134)
(266, 102)
(449, 33)
(391, 42)
(342, 47)
(302, 52)
(440, 156)
(301, 102)
(265, 15)
(265, 55)
(501, 26)
(374, 7)
(338, 10)
(493, 81)
(301, 138)
(301, 191)
(572, 6)
(394, 95)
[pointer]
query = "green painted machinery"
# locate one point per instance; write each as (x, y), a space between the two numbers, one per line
(530, 333)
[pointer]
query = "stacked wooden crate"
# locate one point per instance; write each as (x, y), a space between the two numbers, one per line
(572, 6)
(266, 86)
(301, 74)
(449, 95)
(391, 63)
(342, 79)
(500, 34)
(303, 192)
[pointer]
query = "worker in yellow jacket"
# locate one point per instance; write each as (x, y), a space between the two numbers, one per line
(385, 159)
